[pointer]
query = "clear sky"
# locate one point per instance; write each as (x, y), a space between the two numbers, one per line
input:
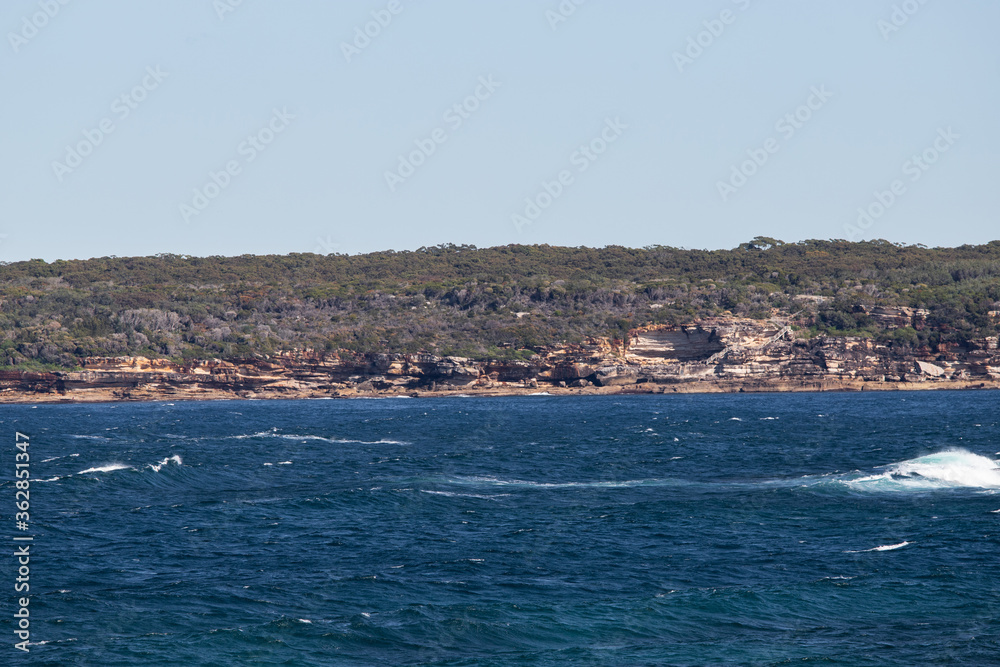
(223, 127)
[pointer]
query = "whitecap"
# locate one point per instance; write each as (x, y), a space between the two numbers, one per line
(371, 442)
(450, 494)
(284, 463)
(312, 437)
(111, 467)
(884, 547)
(494, 481)
(167, 461)
(735, 419)
(953, 468)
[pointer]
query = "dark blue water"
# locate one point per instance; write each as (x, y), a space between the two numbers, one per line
(837, 529)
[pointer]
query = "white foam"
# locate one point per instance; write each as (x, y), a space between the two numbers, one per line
(954, 468)
(310, 436)
(167, 461)
(449, 494)
(371, 442)
(884, 547)
(111, 467)
(284, 463)
(493, 481)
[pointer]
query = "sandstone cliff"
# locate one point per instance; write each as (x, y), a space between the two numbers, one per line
(714, 355)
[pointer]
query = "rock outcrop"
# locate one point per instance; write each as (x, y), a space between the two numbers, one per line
(716, 355)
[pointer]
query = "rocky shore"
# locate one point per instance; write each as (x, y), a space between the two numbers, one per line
(718, 355)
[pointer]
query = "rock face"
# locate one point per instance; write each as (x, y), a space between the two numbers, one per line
(717, 355)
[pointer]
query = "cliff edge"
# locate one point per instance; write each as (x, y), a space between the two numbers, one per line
(711, 355)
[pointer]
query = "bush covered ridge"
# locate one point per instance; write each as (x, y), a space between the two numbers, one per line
(503, 302)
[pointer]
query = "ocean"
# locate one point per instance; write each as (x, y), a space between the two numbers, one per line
(763, 529)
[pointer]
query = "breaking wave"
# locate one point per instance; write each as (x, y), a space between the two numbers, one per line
(950, 469)
(617, 484)
(167, 461)
(884, 547)
(308, 436)
(111, 467)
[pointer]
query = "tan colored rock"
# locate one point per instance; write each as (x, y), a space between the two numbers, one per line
(930, 369)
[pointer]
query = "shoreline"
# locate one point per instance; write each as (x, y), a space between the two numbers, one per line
(151, 394)
(723, 356)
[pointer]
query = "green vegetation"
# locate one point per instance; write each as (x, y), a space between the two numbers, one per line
(498, 303)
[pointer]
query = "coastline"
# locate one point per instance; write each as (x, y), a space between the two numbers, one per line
(725, 355)
(160, 394)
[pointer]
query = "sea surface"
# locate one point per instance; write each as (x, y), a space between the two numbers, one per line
(827, 529)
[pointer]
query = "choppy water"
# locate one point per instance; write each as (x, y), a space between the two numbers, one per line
(837, 529)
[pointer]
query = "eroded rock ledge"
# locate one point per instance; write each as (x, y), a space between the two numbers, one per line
(718, 355)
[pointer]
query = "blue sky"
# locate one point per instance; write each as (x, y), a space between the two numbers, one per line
(273, 127)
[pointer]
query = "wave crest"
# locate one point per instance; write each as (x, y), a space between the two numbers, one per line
(953, 468)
